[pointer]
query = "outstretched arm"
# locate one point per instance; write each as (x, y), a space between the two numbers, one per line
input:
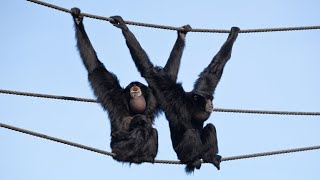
(173, 63)
(86, 51)
(104, 84)
(210, 77)
(139, 56)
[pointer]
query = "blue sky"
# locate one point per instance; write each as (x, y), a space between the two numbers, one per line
(269, 71)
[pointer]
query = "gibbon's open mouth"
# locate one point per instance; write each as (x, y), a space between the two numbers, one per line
(135, 89)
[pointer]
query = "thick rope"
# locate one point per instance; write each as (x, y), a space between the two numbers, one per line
(68, 98)
(88, 148)
(177, 28)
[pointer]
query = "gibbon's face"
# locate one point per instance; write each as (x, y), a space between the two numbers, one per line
(137, 101)
(204, 107)
(135, 91)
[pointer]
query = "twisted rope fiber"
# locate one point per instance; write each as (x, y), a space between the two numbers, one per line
(43, 136)
(222, 110)
(177, 28)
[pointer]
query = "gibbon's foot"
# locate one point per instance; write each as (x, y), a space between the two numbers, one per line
(216, 161)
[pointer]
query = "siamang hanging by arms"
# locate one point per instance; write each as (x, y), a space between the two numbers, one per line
(131, 110)
(185, 111)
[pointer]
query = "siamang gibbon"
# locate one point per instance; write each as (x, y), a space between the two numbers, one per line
(131, 110)
(186, 111)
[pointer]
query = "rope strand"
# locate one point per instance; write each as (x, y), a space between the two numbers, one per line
(177, 28)
(222, 110)
(48, 96)
(88, 148)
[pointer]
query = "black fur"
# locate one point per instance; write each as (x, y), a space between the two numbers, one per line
(185, 111)
(133, 139)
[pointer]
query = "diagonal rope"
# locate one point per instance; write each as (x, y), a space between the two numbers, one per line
(222, 110)
(177, 28)
(88, 148)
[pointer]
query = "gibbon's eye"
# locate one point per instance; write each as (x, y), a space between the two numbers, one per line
(195, 97)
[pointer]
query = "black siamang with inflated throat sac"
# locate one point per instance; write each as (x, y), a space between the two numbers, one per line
(185, 111)
(131, 110)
